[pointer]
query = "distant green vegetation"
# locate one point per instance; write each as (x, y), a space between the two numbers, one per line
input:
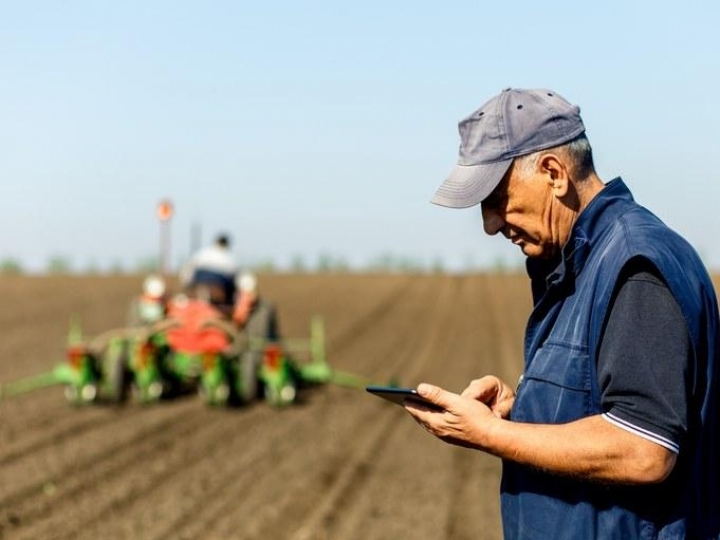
(10, 267)
(146, 265)
(59, 264)
(299, 264)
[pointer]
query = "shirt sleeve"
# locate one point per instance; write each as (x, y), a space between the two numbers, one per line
(645, 359)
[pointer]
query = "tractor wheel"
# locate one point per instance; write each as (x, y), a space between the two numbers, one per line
(116, 374)
(249, 364)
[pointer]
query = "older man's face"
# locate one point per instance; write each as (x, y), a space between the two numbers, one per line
(524, 209)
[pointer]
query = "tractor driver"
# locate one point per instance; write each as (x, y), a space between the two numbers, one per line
(210, 274)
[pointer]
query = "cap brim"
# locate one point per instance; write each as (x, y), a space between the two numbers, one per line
(469, 185)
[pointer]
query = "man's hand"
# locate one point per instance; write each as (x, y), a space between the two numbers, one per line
(466, 418)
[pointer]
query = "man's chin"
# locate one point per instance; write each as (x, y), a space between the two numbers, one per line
(528, 250)
(535, 252)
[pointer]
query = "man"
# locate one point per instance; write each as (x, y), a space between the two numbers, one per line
(613, 430)
(210, 274)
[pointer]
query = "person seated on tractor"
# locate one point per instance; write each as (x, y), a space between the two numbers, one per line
(253, 313)
(210, 275)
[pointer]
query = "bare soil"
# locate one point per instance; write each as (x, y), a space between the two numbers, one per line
(339, 465)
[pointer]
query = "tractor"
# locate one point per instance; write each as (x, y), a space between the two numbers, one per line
(182, 345)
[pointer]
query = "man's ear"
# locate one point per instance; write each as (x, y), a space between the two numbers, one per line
(556, 173)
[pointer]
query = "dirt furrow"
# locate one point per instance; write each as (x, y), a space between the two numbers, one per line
(46, 434)
(101, 442)
(413, 473)
(398, 331)
(348, 481)
(340, 505)
(369, 320)
(254, 494)
(40, 506)
(222, 457)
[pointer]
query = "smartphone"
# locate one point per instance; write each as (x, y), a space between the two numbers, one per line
(399, 395)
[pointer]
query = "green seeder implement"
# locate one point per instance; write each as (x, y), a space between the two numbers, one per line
(196, 354)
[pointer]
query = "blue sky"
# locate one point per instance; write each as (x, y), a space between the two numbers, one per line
(319, 127)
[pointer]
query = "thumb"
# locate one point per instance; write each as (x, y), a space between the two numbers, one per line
(435, 395)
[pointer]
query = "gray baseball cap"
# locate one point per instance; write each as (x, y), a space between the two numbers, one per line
(514, 123)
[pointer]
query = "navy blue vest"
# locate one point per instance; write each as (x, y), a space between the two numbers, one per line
(560, 384)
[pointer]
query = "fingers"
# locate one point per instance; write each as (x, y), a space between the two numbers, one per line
(472, 390)
(458, 423)
(492, 392)
(488, 390)
(483, 389)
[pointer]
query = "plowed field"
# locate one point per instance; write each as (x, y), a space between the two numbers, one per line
(340, 465)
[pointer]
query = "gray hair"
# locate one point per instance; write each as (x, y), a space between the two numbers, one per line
(577, 152)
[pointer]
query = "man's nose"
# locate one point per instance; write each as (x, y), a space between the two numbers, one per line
(492, 221)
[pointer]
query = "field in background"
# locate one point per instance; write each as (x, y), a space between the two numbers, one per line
(341, 465)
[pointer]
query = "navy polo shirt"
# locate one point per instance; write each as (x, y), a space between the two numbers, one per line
(645, 359)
